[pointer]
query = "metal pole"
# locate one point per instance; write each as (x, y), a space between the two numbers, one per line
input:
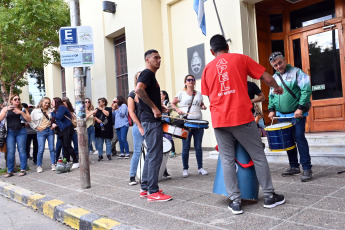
(79, 90)
(220, 23)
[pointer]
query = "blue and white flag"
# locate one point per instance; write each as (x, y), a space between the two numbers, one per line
(198, 6)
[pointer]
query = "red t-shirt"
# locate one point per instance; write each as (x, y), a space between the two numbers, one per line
(224, 81)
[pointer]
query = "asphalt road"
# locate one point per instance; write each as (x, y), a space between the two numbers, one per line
(14, 216)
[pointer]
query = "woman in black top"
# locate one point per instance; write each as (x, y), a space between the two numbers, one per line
(16, 134)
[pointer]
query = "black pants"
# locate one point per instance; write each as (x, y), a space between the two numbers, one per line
(33, 138)
(66, 138)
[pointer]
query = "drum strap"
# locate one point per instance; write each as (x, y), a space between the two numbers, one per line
(194, 92)
(285, 86)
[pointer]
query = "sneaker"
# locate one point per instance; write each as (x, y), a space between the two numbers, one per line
(291, 171)
(202, 171)
(39, 169)
(235, 207)
(121, 156)
(143, 193)
(166, 175)
(95, 152)
(127, 156)
(100, 158)
(53, 167)
(158, 196)
(132, 181)
(185, 173)
(273, 200)
(307, 175)
(75, 165)
(113, 154)
(109, 157)
(172, 155)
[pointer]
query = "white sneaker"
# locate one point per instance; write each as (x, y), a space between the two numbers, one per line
(53, 167)
(39, 169)
(95, 152)
(185, 173)
(75, 165)
(202, 171)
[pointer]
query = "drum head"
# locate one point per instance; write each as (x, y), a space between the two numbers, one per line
(166, 145)
(197, 121)
(282, 125)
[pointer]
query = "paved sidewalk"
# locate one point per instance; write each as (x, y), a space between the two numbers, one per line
(319, 204)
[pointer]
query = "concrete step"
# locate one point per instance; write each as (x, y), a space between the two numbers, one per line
(321, 147)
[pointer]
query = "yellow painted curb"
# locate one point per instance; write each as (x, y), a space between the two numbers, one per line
(7, 190)
(32, 201)
(104, 223)
(74, 214)
(49, 206)
(18, 195)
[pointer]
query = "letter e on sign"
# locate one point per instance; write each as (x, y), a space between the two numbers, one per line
(68, 36)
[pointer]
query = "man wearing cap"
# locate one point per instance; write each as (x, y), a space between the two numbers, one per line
(294, 103)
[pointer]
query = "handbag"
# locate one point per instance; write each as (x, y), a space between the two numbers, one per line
(306, 107)
(73, 120)
(130, 120)
(3, 134)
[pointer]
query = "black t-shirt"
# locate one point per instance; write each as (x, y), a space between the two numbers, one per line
(153, 90)
(253, 90)
(137, 111)
(107, 123)
(13, 121)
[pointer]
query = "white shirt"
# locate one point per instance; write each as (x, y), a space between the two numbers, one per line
(185, 100)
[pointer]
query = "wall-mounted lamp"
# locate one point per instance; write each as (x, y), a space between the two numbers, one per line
(109, 7)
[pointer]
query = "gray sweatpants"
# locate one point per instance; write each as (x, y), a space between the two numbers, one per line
(248, 136)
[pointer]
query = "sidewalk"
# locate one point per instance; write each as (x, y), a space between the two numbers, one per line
(319, 204)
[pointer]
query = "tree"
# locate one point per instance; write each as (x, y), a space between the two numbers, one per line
(29, 33)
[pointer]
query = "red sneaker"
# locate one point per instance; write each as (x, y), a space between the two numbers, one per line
(158, 196)
(143, 194)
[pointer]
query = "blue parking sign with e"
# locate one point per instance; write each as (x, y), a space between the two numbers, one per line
(68, 36)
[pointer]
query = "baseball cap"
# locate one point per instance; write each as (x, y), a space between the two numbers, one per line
(115, 99)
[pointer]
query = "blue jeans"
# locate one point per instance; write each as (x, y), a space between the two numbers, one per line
(122, 137)
(137, 142)
(99, 145)
(197, 135)
(58, 148)
(13, 137)
(75, 142)
(302, 145)
(47, 134)
(91, 137)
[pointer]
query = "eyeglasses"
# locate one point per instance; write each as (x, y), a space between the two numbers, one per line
(16, 99)
(190, 79)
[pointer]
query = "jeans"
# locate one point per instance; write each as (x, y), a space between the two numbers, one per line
(65, 140)
(197, 135)
(59, 146)
(154, 156)
(33, 138)
(122, 136)
(137, 142)
(302, 145)
(91, 137)
(47, 134)
(13, 137)
(99, 145)
(75, 142)
(114, 141)
(58, 149)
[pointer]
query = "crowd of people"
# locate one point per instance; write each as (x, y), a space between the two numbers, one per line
(232, 106)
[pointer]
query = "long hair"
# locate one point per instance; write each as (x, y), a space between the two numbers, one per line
(165, 94)
(41, 102)
(136, 76)
(91, 105)
(121, 100)
(69, 104)
(11, 99)
(58, 102)
(185, 79)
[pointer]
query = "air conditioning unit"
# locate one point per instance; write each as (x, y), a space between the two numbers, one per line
(109, 7)
(293, 1)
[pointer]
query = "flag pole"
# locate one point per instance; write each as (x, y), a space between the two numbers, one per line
(220, 23)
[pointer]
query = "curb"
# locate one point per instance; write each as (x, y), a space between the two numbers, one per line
(73, 216)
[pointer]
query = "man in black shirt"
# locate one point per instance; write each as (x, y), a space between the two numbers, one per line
(150, 106)
(253, 90)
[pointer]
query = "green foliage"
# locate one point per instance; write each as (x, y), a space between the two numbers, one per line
(29, 33)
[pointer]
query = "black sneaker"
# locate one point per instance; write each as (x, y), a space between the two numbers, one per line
(132, 181)
(100, 158)
(121, 156)
(235, 207)
(113, 154)
(307, 175)
(274, 200)
(291, 171)
(166, 175)
(109, 157)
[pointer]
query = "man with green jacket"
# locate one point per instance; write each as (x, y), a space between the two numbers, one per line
(292, 104)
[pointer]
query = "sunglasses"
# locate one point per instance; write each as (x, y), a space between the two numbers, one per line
(16, 99)
(114, 101)
(87, 102)
(190, 79)
(274, 55)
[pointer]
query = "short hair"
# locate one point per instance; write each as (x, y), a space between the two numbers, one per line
(149, 52)
(104, 100)
(275, 55)
(218, 43)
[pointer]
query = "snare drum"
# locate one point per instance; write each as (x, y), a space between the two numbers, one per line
(280, 137)
(196, 124)
(167, 146)
(175, 131)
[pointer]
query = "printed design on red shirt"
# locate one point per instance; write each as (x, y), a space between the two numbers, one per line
(223, 77)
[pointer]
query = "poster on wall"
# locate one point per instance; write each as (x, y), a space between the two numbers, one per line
(196, 60)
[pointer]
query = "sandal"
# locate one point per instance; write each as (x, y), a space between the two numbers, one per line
(9, 175)
(22, 173)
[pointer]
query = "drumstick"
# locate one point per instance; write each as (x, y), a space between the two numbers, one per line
(177, 118)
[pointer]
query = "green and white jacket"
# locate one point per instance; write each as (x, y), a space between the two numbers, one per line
(299, 83)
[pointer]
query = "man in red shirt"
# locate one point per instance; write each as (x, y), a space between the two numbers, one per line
(224, 81)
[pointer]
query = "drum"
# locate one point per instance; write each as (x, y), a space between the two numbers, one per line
(166, 145)
(175, 131)
(196, 124)
(280, 137)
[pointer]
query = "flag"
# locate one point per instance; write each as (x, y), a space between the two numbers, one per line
(198, 6)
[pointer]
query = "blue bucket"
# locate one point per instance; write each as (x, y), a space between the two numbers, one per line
(247, 180)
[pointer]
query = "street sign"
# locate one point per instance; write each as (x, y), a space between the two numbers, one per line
(76, 46)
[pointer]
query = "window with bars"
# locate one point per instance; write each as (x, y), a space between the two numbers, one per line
(63, 82)
(121, 66)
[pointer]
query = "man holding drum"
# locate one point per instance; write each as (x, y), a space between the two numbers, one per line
(224, 81)
(293, 103)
